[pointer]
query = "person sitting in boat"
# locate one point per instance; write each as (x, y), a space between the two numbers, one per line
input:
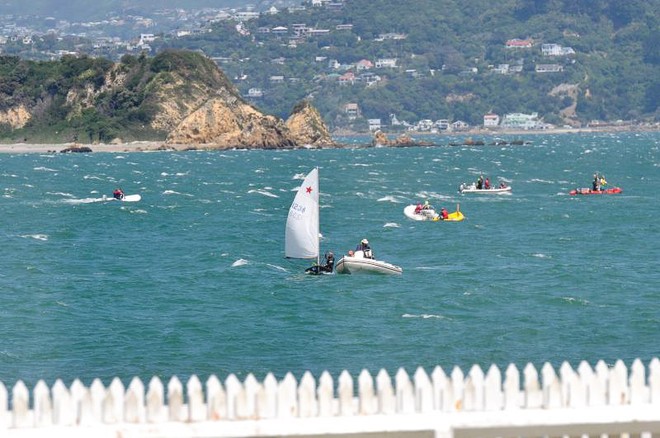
(418, 209)
(487, 184)
(444, 214)
(502, 185)
(329, 262)
(427, 205)
(365, 248)
(118, 194)
(328, 266)
(480, 182)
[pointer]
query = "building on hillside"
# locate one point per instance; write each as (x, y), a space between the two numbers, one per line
(352, 110)
(519, 44)
(347, 78)
(364, 64)
(521, 121)
(556, 50)
(548, 68)
(491, 120)
(255, 92)
(386, 63)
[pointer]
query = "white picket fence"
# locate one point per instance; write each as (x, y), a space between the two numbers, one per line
(586, 402)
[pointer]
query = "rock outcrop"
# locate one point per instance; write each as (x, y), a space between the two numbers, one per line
(15, 117)
(307, 127)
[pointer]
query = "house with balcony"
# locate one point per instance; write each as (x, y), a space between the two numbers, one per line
(521, 121)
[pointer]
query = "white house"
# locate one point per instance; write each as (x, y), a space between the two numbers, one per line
(374, 124)
(386, 63)
(520, 121)
(491, 120)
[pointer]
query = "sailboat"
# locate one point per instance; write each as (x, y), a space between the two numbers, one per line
(301, 235)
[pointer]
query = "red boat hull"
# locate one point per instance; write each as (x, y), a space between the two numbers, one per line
(586, 191)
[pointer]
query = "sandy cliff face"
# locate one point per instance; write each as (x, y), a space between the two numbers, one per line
(15, 117)
(307, 127)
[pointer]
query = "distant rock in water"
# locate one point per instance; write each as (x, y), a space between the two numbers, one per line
(76, 149)
(380, 139)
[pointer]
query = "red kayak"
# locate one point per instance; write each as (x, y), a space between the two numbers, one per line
(587, 191)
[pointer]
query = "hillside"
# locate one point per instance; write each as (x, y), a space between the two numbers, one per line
(177, 96)
(452, 59)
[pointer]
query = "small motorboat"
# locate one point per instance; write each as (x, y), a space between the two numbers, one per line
(425, 214)
(357, 263)
(429, 214)
(588, 191)
(472, 188)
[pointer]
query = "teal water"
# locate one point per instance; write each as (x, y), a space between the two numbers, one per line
(192, 279)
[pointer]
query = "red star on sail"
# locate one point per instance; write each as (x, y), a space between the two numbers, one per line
(309, 189)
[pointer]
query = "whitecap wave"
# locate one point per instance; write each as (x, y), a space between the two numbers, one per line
(239, 262)
(422, 316)
(45, 169)
(42, 237)
(263, 192)
(389, 198)
(391, 225)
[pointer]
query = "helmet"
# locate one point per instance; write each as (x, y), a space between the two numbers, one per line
(426, 202)
(365, 241)
(330, 254)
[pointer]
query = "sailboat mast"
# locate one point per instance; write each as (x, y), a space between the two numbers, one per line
(318, 221)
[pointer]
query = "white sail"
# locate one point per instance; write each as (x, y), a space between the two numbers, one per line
(301, 237)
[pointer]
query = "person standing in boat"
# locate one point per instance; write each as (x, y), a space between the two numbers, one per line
(480, 182)
(487, 184)
(365, 248)
(596, 184)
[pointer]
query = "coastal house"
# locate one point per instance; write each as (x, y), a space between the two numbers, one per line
(442, 124)
(460, 125)
(520, 121)
(255, 92)
(491, 120)
(374, 125)
(276, 79)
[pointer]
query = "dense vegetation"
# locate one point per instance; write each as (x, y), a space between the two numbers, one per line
(444, 67)
(73, 99)
(615, 65)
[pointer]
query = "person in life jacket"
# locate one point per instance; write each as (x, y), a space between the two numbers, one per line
(365, 248)
(444, 214)
(118, 194)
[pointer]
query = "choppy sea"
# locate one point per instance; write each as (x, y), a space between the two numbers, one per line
(193, 280)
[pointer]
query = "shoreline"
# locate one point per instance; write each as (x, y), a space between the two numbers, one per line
(160, 146)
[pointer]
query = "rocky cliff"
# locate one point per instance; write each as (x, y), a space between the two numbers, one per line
(178, 96)
(307, 127)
